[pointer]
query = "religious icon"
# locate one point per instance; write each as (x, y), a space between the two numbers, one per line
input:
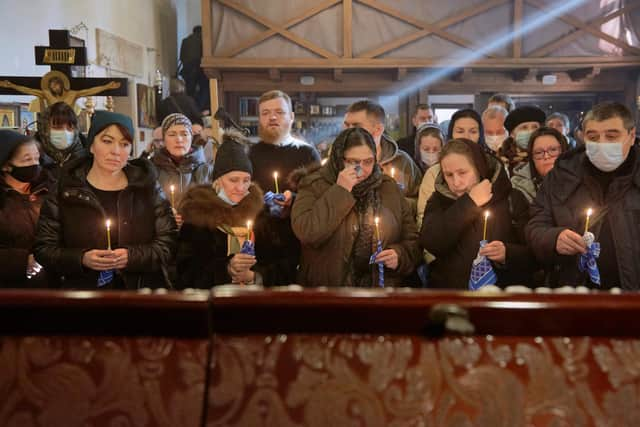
(55, 87)
(7, 118)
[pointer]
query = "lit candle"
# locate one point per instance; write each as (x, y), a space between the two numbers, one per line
(586, 225)
(393, 173)
(249, 230)
(377, 222)
(484, 229)
(109, 234)
(275, 178)
(172, 190)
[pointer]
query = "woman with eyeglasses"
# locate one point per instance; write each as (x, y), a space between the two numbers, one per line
(334, 218)
(545, 146)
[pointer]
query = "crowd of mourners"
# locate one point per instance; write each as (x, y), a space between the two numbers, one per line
(506, 196)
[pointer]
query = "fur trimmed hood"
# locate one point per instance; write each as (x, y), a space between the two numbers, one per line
(202, 207)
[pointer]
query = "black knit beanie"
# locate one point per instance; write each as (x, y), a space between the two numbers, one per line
(102, 119)
(232, 156)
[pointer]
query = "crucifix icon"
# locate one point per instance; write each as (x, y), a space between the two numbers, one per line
(57, 85)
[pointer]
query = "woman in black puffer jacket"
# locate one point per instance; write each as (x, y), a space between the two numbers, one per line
(72, 242)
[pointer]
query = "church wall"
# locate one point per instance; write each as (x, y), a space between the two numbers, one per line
(148, 23)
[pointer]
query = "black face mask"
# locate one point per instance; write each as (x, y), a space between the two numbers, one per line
(26, 173)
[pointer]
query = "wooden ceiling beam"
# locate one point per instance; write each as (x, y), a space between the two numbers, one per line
(278, 29)
(426, 28)
(347, 30)
(546, 63)
(589, 28)
(518, 9)
(554, 45)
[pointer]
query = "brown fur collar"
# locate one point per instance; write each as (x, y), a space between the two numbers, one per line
(298, 174)
(202, 207)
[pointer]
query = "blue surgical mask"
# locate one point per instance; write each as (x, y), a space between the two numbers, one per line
(522, 139)
(61, 139)
(223, 196)
(606, 156)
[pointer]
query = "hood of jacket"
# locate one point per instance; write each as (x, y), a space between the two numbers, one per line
(187, 164)
(388, 149)
(500, 184)
(202, 207)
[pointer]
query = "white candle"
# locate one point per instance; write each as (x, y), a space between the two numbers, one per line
(172, 190)
(484, 229)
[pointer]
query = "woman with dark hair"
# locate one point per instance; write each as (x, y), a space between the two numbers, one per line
(218, 220)
(333, 217)
(545, 146)
(465, 123)
(471, 182)
(23, 185)
(60, 137)
(108, 225)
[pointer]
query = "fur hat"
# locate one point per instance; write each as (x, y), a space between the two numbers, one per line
(528, 113)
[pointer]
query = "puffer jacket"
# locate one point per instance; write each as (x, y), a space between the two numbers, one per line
(192, 169)
(452, 229)
(325, 221)
(18, 222)
(203, 248)
(72, 221)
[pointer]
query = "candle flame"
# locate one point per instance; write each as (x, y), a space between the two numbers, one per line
(172, 188)
(486, 214)
(377, 220)
(108, 223)
(589, 212)
(249, 224)
(275, 175)
(324, 161)
(393, 172)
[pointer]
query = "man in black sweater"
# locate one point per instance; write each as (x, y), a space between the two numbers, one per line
(278, 151)
(604, 175)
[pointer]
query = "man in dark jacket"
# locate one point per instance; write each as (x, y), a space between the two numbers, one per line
(424, 114)
(278, 151)
(603, 176)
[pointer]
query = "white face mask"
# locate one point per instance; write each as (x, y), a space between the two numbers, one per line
(495, 141)
(61, 139)
(429, 159)
(606, 156)
(225, 198)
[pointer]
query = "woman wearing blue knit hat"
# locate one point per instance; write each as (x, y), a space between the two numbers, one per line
(108, 225)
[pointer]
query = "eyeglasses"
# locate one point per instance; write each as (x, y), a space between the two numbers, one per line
(367, 163)
(551, 152)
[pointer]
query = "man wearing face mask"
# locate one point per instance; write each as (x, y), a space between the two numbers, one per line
(520, 123)
(60, 137)
(495, 134)
(603, 176)
(23, 185)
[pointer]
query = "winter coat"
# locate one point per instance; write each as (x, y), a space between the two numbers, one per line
(452, 229)
(72, 221)
(18, 222)
(203, 245)
(523, 181)
(193, 169)
(325, 221)
(566, 192)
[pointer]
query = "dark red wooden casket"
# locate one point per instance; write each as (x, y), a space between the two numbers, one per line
(319, 358)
